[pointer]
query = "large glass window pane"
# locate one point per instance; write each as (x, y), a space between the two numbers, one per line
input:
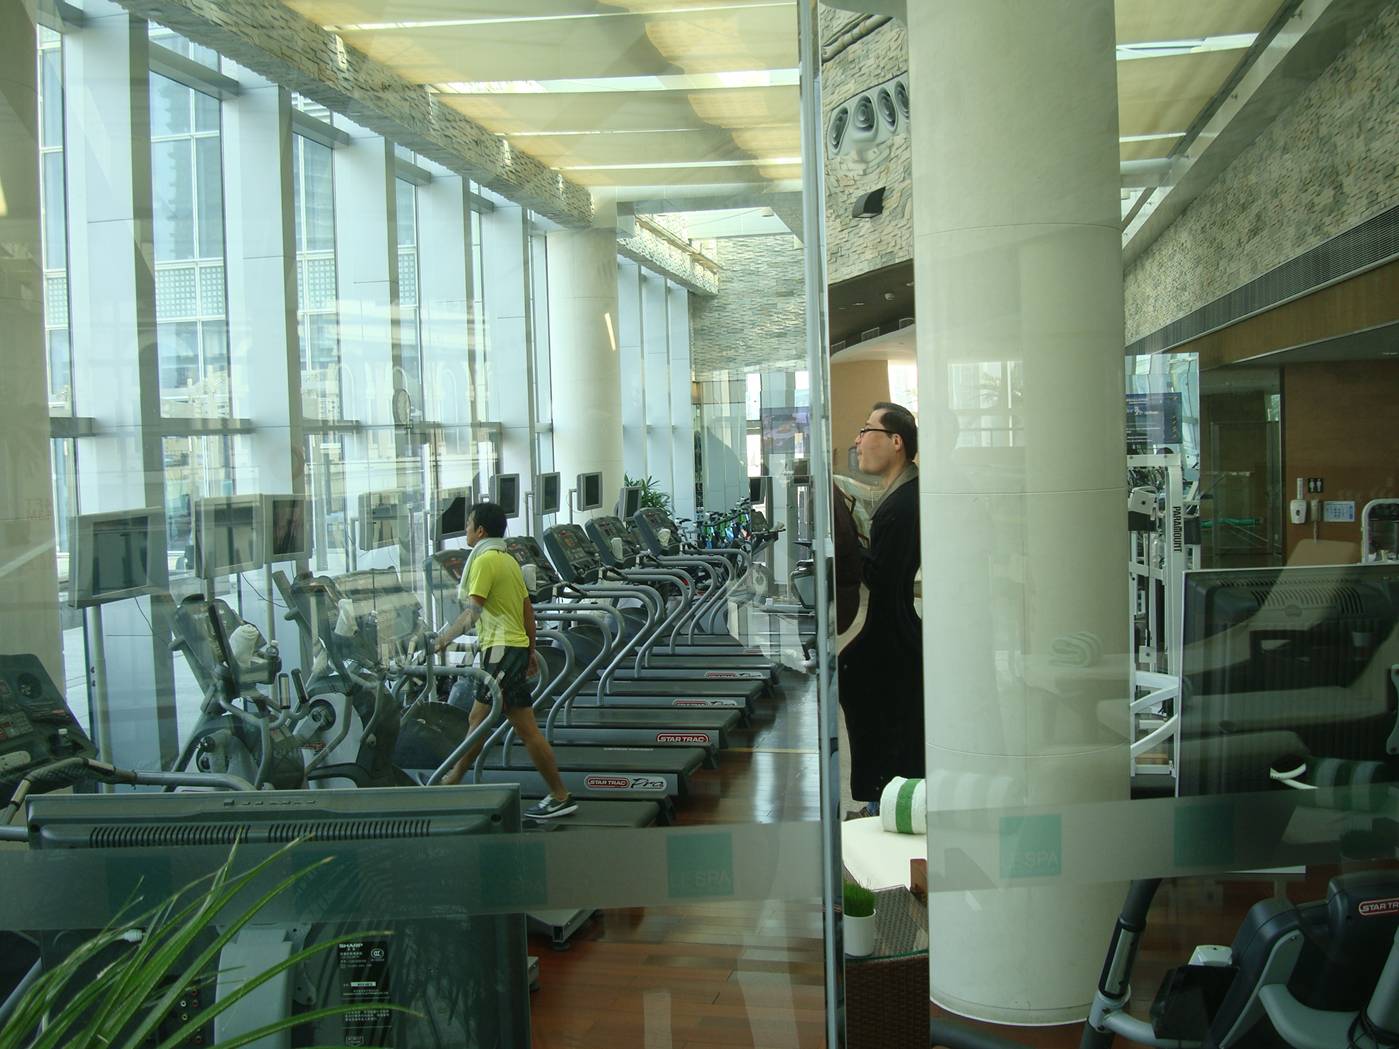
(210, 174)
(51, 88)
(320, 212)
(170, 103)
(172, 188)
(55, 212)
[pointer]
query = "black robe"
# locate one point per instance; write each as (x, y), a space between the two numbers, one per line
(881, 672)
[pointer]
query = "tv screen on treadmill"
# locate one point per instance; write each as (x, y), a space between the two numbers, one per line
(507, 493)
(549, 494)
(589, 491)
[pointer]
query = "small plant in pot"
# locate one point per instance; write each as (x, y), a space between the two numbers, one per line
(858, 910)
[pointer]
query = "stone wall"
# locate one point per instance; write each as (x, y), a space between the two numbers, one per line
(758, 318)
(855, 246)
(279, 44)
(1328, 162)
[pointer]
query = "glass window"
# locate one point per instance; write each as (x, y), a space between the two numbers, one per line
(313, 212)
(187, 192)
(53, 213)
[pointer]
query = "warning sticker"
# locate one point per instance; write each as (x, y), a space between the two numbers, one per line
(364, 982)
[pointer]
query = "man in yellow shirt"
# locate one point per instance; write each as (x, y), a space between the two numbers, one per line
(495, 602)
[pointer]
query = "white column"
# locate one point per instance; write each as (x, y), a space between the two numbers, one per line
(444, 306)
(655, 355)
(505, 250)
(29, 583)
(260, 247)
(366, 264)
(1018, 261)
(587, 369)
(629, 338)
(682, 412)
(111, 293)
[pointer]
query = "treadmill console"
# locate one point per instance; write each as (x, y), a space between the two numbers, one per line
(36, 726)
(650, 521)
(452, 563)
(603, 530)
(526, 550)
(573, 553)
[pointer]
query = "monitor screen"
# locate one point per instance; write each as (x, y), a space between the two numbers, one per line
(758, 489)
(381, 519)
(452, 505)
(287, 536)
(228, 534)
(112, 555)
(1288, 667)
(589, 491)
(631, 501)
(505, 491)
(549, 493)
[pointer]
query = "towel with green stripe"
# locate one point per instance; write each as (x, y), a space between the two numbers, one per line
(903, 807)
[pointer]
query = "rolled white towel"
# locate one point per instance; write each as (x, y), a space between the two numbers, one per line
(618, 550)
(903, 807)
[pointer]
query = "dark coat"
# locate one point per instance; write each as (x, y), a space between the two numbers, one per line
(881, 672)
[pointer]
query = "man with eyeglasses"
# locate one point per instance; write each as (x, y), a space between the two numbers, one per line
(881, 689)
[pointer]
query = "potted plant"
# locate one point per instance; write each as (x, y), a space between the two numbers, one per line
(121, 989)
(858, 909)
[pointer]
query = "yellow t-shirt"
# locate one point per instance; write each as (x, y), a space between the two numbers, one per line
(496, 577)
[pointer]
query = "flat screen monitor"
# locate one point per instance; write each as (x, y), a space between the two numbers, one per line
(550, 497)
(421, 961)
(452, 505)
(1285, 667)
(758, 489)
(288, 537)
(382, 519)
(115, 555)
(505, 492)
(228, 534)
(631, 501)
(589, 491)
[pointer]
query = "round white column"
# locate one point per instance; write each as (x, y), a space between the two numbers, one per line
(1017, 254)
(586, 368)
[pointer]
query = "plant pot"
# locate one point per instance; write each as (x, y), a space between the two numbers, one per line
(859, 936)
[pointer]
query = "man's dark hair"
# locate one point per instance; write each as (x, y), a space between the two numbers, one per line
(490, 516)
(898, 419)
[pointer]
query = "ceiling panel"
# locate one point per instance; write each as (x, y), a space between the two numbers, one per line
(1166, 94)
(732, 40)
(632, 147)
(1144, 21)
(745, 174)
(358, 12)
(1152, 149)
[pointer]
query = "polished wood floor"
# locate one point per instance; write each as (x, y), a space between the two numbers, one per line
(714, 975)
(749, 974)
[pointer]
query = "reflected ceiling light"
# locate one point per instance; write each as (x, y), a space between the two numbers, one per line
(592, 85)
(1198, 45)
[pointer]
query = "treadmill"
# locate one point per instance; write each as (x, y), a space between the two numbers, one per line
(659, 536)
(578, 561)
(711, 695)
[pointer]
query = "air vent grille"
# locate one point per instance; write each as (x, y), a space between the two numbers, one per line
(887, 112)
(155, 835)
(1371, 243)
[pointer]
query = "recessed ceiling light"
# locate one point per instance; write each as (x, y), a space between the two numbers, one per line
(857, 304)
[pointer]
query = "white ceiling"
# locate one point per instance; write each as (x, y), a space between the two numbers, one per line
(623, 95)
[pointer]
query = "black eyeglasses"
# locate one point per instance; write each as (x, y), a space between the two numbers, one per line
(871, 429)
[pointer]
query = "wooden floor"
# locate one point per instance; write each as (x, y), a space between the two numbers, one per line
(706, 976)
(749, 974)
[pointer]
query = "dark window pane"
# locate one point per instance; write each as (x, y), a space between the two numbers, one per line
(51, 84)
(210, 197)
(298, 145)
(169, 107)
(320, 205)
(206, 112)
(55, 218)
(407, 222)
(172, 184)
